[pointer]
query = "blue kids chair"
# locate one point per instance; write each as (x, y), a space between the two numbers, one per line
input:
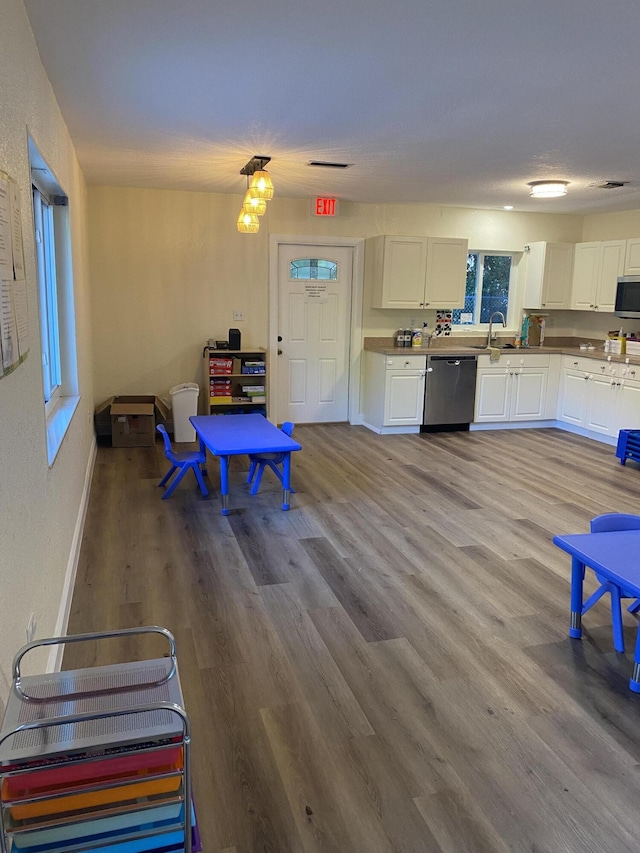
(184, 460)
(603, 524)
(272, 460)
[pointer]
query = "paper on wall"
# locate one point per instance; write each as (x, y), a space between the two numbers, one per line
(22, 317)
(8, 327)
(16, 231)
(6, 256)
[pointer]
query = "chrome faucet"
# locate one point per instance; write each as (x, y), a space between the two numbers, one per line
(504, 325)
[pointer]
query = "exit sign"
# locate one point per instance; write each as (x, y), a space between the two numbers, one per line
(325, 207)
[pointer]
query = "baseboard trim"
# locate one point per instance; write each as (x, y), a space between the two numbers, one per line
(55, 655)
(477, 427)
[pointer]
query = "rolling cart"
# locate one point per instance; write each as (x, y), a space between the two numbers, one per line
(97, 759)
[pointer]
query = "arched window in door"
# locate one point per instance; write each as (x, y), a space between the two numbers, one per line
(313, 269)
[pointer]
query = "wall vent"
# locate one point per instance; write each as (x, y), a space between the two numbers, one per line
(328, 165)
(608, 185)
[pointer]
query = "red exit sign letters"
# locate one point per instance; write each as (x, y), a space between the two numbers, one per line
(326, 207)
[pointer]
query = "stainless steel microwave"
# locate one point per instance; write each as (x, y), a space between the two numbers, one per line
(628, 297)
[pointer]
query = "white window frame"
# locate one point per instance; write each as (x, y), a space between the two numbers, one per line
(48, 297)
(512, 311)
(56, 304)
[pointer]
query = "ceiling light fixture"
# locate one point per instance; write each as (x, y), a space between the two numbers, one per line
(508, 207)
(254, 205)
(259, 191)
(248, 223)
(260, 185)
(548, 189)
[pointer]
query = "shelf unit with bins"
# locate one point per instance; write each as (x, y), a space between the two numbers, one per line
(227, 372)
(97, 759)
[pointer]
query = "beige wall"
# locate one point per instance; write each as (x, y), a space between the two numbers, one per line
(612, 226)
(38, 505)
(169, 268)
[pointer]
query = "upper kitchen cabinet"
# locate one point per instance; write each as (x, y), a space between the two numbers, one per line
(595, 274)
(632, 257)
(417, 272)
(549, 275)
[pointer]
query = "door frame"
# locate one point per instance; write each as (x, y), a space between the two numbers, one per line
(355, 326)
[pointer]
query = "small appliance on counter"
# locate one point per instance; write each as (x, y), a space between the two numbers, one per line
(234, 339)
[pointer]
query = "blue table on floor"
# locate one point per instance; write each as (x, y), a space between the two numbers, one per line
(615, 556)
(239, 435)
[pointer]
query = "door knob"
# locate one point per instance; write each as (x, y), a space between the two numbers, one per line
(279, 352)
(279, 339)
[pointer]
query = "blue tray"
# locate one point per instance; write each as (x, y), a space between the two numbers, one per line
(167, 835)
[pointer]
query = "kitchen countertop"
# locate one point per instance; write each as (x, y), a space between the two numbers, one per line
(452, 346)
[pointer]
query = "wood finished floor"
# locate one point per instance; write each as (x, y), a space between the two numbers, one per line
(385, 667)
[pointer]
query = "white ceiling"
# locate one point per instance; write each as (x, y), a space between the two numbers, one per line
(455, 102)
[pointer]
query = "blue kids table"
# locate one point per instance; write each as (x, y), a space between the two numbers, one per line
(239, 435)
(616, 557)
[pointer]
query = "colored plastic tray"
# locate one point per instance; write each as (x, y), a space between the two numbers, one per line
(66, 776)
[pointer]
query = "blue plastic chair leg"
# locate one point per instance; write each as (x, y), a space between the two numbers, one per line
(278, 474)
(173, 485)
(634, 606)
(256, 483)
(167, 476)
(597, 595)
(252, 471)
(200, 479)
(616, 619)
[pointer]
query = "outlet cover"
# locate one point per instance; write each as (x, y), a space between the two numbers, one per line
(238, 315)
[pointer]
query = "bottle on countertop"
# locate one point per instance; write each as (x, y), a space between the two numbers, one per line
(416, 338)
(399, 339)
(407, 337)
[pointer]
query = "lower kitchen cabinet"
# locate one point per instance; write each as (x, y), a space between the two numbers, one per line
(515, 389)
(599, 396)
(393, 391)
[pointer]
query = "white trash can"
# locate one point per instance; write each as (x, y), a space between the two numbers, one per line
(184, 402)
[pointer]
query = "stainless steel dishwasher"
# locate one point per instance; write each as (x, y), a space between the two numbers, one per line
(450, 390)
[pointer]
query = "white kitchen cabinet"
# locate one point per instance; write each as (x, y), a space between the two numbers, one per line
(403, 398)
(596, 269)
(601, 403)
(416, 272)
(393, 391)
(514, 389)
(632, 257)
(599, 396)
(549, 275)
(628, 404)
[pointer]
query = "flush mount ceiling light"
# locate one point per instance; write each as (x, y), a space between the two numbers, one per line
(548, 189)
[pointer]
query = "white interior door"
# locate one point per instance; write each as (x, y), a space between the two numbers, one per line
(314, 304)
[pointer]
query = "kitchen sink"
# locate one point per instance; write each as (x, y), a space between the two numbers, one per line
(502, 346)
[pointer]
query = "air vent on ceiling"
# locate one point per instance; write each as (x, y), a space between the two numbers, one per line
(327, 165)
(608, 185)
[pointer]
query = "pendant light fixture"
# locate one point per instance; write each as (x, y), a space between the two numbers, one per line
(259, 191)
(248, 223)
(254, 205)
(261, 185)
(548, 189)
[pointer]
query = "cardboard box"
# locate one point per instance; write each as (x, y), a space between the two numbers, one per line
(131, 420)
